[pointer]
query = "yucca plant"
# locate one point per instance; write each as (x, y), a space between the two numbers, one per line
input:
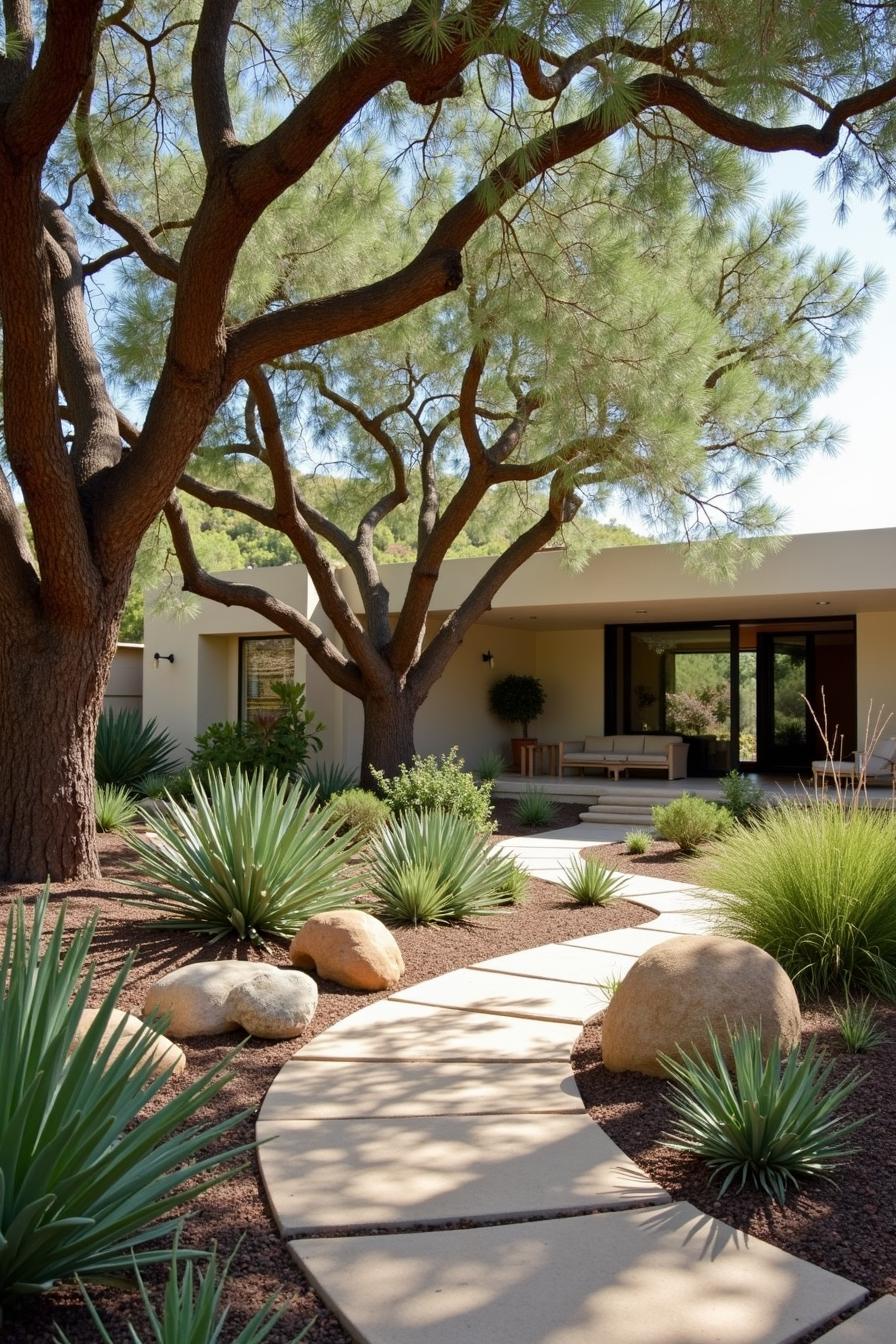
(192, 1309)
(534, 808)
(815, 886)
(638, 842)
(90, 1168)
(114, 807)
(512, 890)
(590, 883)
(250, 856)
(432, 867)
(327, 778)
(771, 1122)
(491, 765)
(859, 1026)
(127, 749)
(154, 785)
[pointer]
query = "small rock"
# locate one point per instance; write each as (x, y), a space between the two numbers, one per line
(679, 988)
(273, 1004)
(165, 1054)
(349, 947)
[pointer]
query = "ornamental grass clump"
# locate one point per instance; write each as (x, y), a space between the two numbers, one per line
(114, 807)
(432, 867)
(91, 1164)
(638, 842)
(590, 883)
(534, 808)
(815, 886)
(690, 821)
(858, 1024)
(251, 856)
(192, 1308)
(770, 1122)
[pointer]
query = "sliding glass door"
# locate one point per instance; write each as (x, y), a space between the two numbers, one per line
(680, 681)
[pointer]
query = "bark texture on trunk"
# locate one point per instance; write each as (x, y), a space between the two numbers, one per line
(51, 696)
(388, 735)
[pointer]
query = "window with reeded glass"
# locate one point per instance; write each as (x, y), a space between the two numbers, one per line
(262, 663)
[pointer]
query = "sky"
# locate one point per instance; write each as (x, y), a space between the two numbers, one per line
(857, 488)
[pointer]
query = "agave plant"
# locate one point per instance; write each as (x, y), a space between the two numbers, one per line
(590, 883)
(432, 867)
(192, 1307)
(251, 856)
(89, 1167)
(128, 749)
(772, 1122)
(114, 807)
(327, 778)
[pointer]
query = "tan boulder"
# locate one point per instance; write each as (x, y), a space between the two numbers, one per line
(679, 988)
(208, 998)
(349, 947)
(165, 1054)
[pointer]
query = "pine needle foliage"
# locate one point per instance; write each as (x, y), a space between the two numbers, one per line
(770, 1122)
(91, 1165)
(251, 856)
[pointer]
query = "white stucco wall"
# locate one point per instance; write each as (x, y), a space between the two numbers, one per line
(876, 669)
(124, 689)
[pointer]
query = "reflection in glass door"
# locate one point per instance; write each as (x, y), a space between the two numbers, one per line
(784, 729)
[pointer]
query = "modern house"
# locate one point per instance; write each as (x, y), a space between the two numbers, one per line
(636, 642)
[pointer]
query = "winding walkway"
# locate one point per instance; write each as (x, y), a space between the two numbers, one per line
(453, 1103)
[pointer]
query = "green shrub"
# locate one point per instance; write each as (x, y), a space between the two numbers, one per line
(815, 886)
(534, 808)
(431, 867)
(590, 883)
(251, 856)
(744, 798)
(153, 785)
(192, 1310)
(771, 1124)
(327, 778)
(91, 1164)
(689, 821)
(359, 810)
(280, 743)
(491, 765)
(638, 842)
(114, 807)
(127, 749)
(439, 784)
(859, 1026)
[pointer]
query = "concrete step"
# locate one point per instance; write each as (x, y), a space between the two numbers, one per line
(635, 819)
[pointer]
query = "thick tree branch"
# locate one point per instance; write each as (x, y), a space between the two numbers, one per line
(214, 124)
(46, 98)
(230, 594)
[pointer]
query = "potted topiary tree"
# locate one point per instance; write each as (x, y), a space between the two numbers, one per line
(518, 699)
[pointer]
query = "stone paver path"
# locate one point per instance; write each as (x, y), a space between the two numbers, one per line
(452, 1102)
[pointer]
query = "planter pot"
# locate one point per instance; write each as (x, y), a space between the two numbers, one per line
(516, 751)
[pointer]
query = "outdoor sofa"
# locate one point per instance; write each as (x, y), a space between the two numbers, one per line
(628, 752)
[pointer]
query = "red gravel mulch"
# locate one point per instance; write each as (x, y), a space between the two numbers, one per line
(848, 1228)
(237, 1208)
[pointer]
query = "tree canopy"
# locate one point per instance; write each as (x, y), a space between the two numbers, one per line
(213, 172)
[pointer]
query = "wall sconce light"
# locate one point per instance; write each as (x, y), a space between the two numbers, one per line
(489, 657)
(164, 657)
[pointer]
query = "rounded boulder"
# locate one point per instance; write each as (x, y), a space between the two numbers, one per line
(164, 1053)
(680, 989)
(273, 1004)
(349, 947)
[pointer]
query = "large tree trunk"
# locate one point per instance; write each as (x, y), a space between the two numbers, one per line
(388, 734)
(51, 696)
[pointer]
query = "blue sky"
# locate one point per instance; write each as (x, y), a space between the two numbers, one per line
(857, 488)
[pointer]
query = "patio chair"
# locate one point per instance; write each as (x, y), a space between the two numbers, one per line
(880, 762)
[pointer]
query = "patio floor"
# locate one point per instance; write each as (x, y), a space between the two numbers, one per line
(588, 789)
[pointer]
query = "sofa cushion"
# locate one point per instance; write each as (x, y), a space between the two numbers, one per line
(592, 757)
(646, 758)
(629, 744)
(598, 744)
(660, 743)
